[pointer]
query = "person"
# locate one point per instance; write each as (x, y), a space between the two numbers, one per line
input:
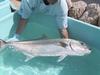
(58, 7)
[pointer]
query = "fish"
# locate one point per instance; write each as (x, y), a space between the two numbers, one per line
(49, 47)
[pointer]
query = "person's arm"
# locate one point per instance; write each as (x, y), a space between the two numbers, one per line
(61, 18)
(21, 25)
(24, 12)
(63, 33)
(62, 26)
(25, 9)
(69, 3)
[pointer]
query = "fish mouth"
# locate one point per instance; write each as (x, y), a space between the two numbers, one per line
(88, 52)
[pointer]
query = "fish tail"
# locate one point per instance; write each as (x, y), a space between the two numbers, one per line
(2, 43)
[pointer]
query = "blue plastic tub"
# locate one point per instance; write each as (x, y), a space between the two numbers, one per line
(1, 0)
(6, 23)
(4, 8)
(12, 62)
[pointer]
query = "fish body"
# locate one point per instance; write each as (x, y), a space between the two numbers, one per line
(50, 47)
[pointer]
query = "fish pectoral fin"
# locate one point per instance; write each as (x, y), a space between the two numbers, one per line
(62, 58)
(28, 57)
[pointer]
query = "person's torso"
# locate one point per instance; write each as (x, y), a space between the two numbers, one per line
(56, 9)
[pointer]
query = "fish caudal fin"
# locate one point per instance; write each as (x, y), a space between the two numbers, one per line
(2, 44)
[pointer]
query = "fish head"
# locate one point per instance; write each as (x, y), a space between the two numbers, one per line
(78, 47)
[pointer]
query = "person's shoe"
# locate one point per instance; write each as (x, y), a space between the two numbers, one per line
(14, 38)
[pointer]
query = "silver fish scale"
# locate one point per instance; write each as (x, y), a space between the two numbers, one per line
(50, 50)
